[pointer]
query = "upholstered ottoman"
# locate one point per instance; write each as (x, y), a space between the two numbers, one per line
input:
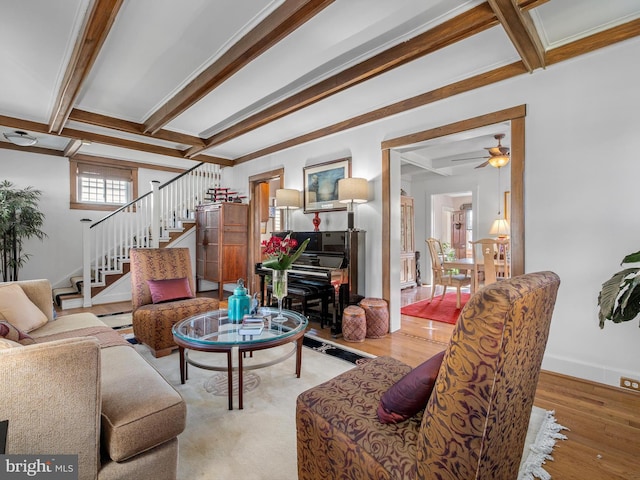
(354, 324)
(377, 315)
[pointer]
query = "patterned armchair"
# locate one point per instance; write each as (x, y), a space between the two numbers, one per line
(152, 322)
(475, 422)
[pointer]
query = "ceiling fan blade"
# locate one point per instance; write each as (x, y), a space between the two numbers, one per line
(468, 158)
(483, 164)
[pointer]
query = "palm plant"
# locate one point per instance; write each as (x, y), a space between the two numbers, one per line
(20, 219)
(619, 299)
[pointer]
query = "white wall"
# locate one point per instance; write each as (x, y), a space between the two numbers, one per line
(581, 183)
(59, 255)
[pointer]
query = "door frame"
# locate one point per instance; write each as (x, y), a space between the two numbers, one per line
(254, 252)
(516, 115)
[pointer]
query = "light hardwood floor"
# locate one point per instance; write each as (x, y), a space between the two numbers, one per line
(604, 422)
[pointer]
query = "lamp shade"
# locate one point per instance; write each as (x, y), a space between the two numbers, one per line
(500, 228)
(498, 160)
(354, 190)
(287, 198)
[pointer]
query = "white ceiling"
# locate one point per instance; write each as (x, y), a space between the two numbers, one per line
(154, 48)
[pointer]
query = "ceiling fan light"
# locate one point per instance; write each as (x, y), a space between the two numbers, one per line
(20, 138)
(498, 160)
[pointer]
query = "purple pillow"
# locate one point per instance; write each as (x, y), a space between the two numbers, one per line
(10, 332)
(411, 393)
(170, 289)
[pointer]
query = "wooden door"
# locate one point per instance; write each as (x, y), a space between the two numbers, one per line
(459, 233)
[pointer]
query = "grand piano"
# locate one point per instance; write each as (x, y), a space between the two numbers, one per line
(332, 258)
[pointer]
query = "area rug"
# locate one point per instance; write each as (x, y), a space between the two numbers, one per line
(440, 309)
(259, 442)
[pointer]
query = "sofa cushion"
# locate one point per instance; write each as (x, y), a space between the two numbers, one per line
(169, 289)
(18, 310)
(5, 344)
(410, 394)
(140, 410)
(9, 332)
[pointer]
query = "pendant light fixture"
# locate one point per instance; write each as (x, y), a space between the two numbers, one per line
(21, 138)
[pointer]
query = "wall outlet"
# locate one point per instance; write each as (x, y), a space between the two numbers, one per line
(630, 383)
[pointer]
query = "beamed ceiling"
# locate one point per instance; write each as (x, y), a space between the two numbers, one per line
(227, 81)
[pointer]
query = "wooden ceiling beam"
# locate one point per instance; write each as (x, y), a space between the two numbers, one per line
(110, 140)
(140, 146)
(285, 19)
(463, 26)
(530, 4)
(72, 148)
(521, 31)
(97, 25)
(466, 85)
(593, 42)
(105, 121)
(41, 150)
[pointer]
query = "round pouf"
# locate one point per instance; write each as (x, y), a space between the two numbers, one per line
(377, 315)
(354, 324)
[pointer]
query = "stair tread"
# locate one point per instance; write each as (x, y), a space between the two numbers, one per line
(64, 290)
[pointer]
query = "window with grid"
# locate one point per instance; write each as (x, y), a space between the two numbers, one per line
(102, 186)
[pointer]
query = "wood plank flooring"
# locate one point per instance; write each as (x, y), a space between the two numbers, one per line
(604, 422)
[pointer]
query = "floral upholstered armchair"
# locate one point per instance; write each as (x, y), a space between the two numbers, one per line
(476, 417)
(163, 293)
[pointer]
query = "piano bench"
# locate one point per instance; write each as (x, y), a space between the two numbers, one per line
(306, 294)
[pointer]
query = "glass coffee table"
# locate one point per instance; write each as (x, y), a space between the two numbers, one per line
(214, 332)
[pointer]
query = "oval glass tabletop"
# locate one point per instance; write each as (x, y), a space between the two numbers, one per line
(215, 329)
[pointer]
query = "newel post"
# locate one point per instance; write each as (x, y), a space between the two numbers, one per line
(86, 262)
(155, 214)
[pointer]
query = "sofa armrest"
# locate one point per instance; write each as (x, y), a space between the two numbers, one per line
(40, 293)
(50, 393)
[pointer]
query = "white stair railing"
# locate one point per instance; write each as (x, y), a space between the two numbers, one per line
(142, 223)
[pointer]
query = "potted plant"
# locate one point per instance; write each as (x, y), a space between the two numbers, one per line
(20, 219)
(619, 299)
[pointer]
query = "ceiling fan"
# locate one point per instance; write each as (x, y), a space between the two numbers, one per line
(498, 155)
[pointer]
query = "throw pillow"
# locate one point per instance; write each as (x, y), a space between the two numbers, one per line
(9, 332)
(411, 393)
(170, 289)
(18, 310)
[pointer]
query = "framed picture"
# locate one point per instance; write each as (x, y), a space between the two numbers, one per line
(321, 185)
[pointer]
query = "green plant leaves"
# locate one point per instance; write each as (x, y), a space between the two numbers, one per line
(619, 299)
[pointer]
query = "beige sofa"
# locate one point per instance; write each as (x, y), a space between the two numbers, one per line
(80, 389)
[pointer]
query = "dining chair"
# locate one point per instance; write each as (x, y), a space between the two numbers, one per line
(441, 276)
(493, 257)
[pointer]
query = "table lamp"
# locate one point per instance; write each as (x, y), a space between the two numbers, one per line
(500, 228)
(287, 199)
(350, 191)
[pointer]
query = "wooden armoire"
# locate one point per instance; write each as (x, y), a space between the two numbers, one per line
(222, 236)
(407, 243)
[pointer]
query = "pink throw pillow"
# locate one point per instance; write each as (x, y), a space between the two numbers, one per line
(14, 334)
(170, 289)
(411, 393)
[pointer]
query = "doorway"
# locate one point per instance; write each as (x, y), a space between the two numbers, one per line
(390, 194)
(263, 219)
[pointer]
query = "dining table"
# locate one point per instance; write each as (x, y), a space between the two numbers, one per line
(472, 267)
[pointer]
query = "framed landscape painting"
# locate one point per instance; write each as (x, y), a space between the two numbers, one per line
(321, 185)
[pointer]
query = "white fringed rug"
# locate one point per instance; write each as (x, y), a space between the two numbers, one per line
(259, 442)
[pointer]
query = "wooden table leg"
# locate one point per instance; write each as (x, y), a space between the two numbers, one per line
(298, 357)
(230, 379)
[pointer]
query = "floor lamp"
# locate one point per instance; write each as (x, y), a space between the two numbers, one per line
(287, 199)
(350, 191)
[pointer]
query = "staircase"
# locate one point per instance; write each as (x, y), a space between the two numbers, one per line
(154, 220)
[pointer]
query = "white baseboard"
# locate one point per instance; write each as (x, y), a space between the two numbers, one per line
(587, 371)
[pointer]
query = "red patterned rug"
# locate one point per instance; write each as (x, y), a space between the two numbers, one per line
(441, 309)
